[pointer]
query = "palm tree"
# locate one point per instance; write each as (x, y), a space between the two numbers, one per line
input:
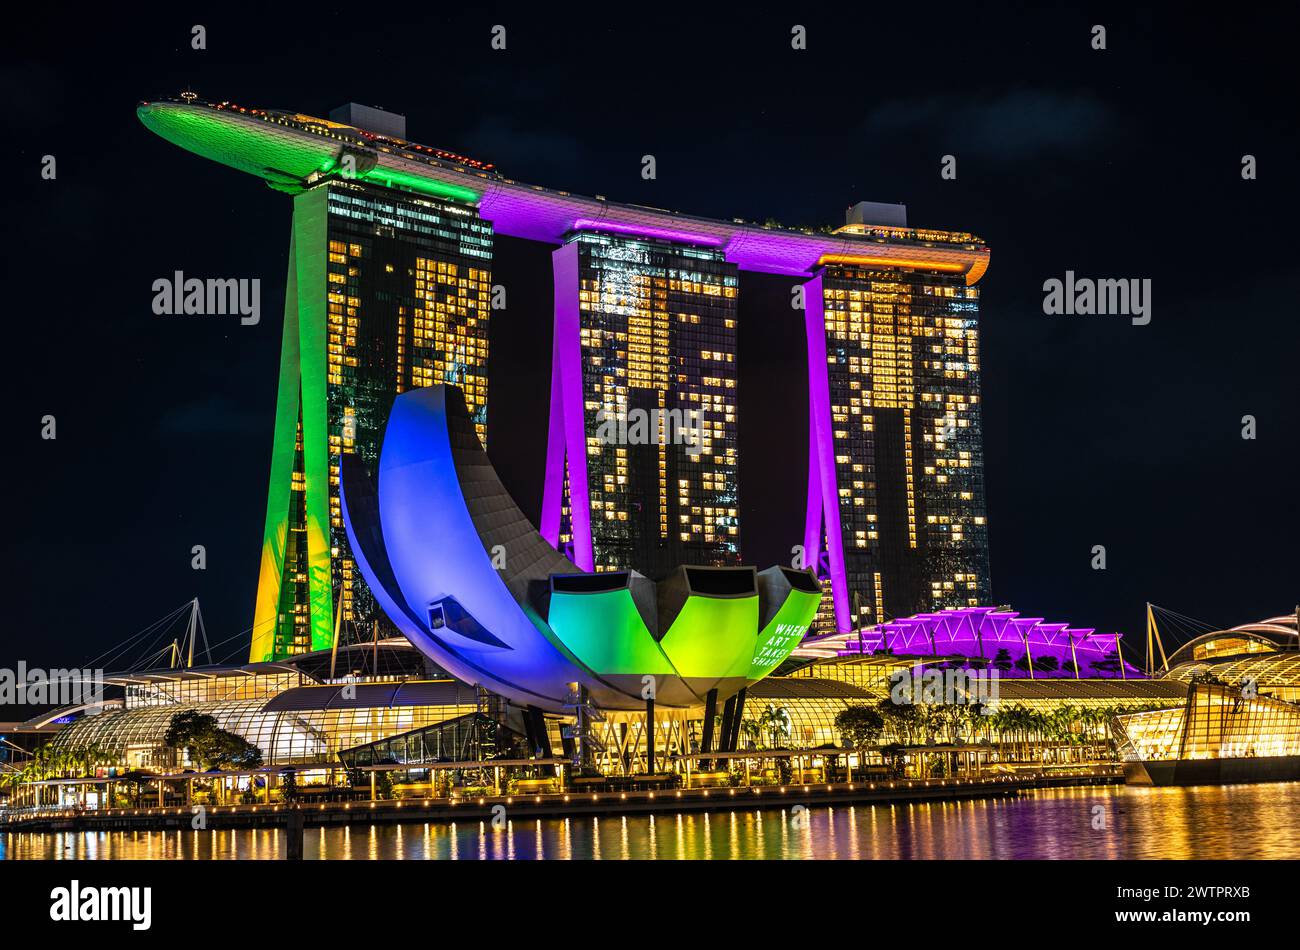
(978, 720)
(997, 725)
(1025, 725)
(930, 719)
(954, 717)
(1008, 727)
(775, 720)
(1069, 724)
(1040, 726)
(1060, 723)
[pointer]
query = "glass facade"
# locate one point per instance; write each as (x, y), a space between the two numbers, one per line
(471, 738)
(134, 737)
(407, 285)
(658, 355)
(903, 374)
(801, 723)
(1217, 722)
(1276, 675)
(869, 673)
(1228, 645)
(161, 690)
(797, 713)
(875, 675)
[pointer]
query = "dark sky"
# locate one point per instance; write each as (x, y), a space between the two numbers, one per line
(1120, 163)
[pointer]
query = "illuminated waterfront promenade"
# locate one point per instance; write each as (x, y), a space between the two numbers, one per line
(630, 801)
(1209, 822)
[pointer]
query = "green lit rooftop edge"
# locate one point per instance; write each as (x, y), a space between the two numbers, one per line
(286, 156)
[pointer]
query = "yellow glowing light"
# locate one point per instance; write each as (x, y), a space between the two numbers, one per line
(863, 260)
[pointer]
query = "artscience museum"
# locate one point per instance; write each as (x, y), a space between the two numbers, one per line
(463, 573)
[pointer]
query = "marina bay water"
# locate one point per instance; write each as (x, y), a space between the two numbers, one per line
(1098, 823)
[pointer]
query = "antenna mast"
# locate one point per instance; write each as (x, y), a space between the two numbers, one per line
(190, 630)
(193, 630)
(1154, 643)
(334, 650)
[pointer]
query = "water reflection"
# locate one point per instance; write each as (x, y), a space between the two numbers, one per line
(1243, 821)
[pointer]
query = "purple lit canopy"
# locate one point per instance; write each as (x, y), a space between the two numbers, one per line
(982, 632)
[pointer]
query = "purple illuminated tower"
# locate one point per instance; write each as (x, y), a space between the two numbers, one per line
(896, 522)
(642, 455)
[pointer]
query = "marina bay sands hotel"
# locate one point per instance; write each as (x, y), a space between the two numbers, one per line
(390, 288)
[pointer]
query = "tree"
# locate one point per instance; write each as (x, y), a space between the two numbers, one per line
(1042, 664)
(1108, 664)
(931, 718)
(289, 785)
(859, 726)
(775, 721)
(953, 716)
(233, 751)
(976, 719)
(208, 744)
(902, 720)
(1018, 724)
(136, 782)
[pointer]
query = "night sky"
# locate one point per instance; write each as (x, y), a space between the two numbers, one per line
(1123, 163)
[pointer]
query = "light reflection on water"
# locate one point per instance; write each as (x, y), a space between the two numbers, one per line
(1241, 821)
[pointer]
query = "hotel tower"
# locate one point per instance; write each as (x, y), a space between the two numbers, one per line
(642, 457)
(389, 288)
(896, 523)
(387, 291)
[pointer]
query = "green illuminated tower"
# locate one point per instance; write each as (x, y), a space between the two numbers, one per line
(386, 291)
